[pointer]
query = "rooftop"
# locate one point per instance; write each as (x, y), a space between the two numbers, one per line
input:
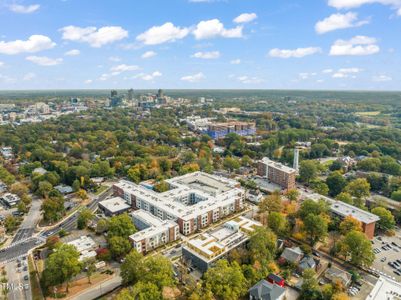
(385, 288)
(209, 191)
(84, 243)
(265, 290)
(115, 204)
(226, 237)
(277, 165)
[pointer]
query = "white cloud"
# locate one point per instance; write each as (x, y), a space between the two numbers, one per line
(245, 18)
(339, 21)
(1, 63)
(327, 71)
(346, 4)
(29, 76)
(73, 52)
(194, 78)
(35, 43)
(148, 77)
(24, 9)
(399, 12)
(162, 34)
(358, 45)
(44, 60)
(297, 53)
(249, 80)
(94, 37)
(235, 61)
(382, 78)
(214, 28)
(207, 55)
(149, 54)
(114, 59)
(88, 81)
(347, 73)
(123, 68)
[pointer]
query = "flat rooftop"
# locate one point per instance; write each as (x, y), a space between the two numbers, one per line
(385, 288)
(84, 243)
(210, 244)
(277, 165)
(115, 204)
(213, 192)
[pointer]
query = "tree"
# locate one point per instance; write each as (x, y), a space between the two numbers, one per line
(310, 286)
(336, 165)
(85, 215)
(231, 163)
(102, 225)
(53, 209)
(44, 188)
(262, 245)
(312, 207)
(336, 182)
(307, 171)
(356, 246)
(81, 193)
(345, 197)
(146, 291)
(121, 226)
(396, 195)
(320, 187)
(277, 223)
(22, 207)
(387, 221)
(76, 185)
(292, 195)
(226, 281)
(103, 254)
(159, 271)
(161, 187)
(348, 224)
(90, 268)
(340, 296)
(271, 203)
(316, 227)
(62, 265)
(10, 223)
(358, 188)
(19, 189)
(119, 246)
(132, 268)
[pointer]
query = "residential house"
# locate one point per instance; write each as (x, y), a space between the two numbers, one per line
(264, 290)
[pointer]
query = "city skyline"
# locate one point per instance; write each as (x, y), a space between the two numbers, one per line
(334, 44)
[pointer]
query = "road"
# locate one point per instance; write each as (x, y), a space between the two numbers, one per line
(19, 288)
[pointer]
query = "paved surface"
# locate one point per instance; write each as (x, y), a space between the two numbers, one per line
(100, 289)
(19, 288)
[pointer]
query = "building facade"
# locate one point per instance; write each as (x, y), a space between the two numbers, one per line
(277, 173)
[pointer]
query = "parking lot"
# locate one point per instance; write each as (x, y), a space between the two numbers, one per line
(388, 255)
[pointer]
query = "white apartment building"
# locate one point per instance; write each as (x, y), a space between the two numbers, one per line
(194, 200)
(153, 232)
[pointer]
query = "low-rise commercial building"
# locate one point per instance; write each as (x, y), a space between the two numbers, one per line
(153, 232)
(194, 200)
(277, 173)
(114, 206)
(385, 288)
(220, 130)
(204, 250)
(86, 246)
(10, 200)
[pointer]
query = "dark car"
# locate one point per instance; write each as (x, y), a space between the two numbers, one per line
(26, 277)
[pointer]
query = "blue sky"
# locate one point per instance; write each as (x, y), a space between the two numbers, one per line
(242, 44)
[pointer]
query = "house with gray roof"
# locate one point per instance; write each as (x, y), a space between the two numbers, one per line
(307, 262)
(292, 255)
(265, 290)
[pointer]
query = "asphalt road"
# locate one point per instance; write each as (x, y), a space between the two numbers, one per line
(19, 288)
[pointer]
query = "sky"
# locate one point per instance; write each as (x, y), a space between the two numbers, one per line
(200, 44)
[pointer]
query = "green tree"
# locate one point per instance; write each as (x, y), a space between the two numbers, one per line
(262, 245)
(231, 163)
(316, 227)
(132, 268)
(307, 171)
(146, 291)
(10, 223)
(44, 188)
(22, 207)
(53, 209)
(387, 221)
(336, 182)
(19, 189)
(310, 286)
(277, 223)
(345, 197)
(161, 186)
(358, 188)
(159, 271)
(102, 225)
(121, 226)
(292, 195)
(357, 247)
(226, 281)
(62, 265)
(85, 215)
(396, 195)
(90, 268)
(320, 187)
(312, 207)
(348, 224)
(271, 203)
(119, 246)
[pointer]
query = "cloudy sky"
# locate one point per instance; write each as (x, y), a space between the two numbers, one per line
(272, 44)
